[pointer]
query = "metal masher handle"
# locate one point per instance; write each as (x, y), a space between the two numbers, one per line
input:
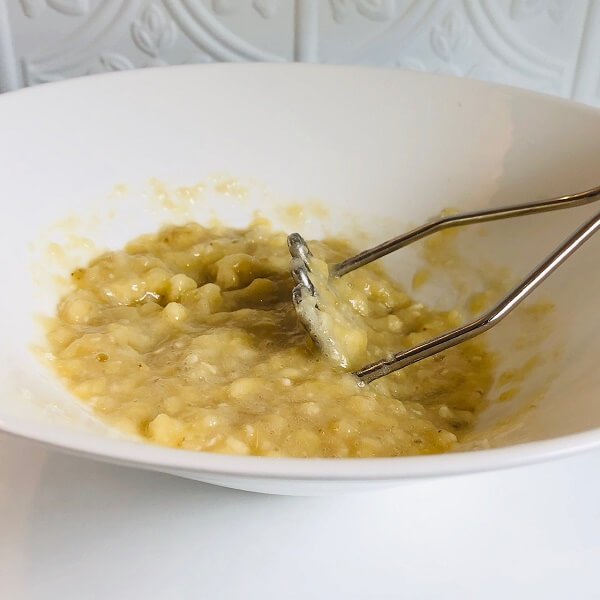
(495, 315)
(483, 216)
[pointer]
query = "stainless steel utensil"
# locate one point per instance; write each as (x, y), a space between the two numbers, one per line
(301, 256)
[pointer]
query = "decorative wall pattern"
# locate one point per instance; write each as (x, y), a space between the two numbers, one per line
(551, 46)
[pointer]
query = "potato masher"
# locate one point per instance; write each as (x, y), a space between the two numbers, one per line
(306, 289)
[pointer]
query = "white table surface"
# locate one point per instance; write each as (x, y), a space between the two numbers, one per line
(73, 528)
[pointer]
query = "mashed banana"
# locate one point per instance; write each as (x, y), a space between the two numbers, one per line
(335, 325)
(188, 337)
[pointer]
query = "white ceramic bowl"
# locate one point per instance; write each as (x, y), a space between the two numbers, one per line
(392, 148)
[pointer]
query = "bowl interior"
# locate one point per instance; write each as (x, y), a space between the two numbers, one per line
(381, 150)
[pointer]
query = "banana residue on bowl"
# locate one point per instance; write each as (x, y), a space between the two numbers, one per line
(188, 338)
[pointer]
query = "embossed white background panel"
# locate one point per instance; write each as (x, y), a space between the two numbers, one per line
(548, 45)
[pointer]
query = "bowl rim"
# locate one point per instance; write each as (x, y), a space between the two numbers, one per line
(145, 455)
(155, 71)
